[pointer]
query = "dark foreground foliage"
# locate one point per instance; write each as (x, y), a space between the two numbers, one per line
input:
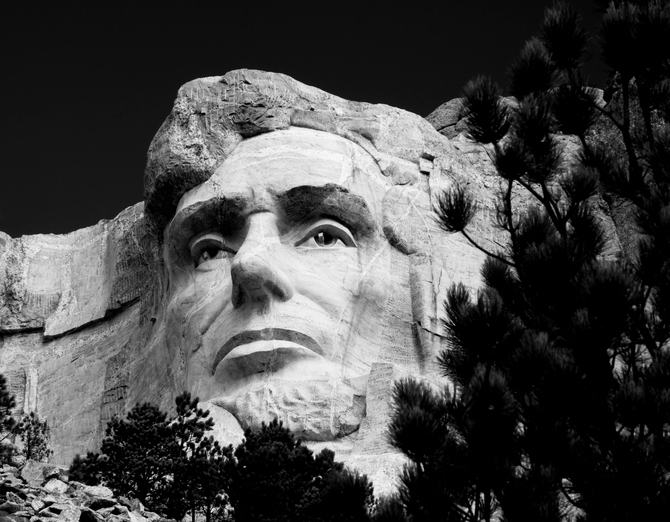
(275, 477)
(174, 469)
(561, 363)
(168, 463)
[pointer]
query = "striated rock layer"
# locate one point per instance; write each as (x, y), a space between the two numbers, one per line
(285, 263)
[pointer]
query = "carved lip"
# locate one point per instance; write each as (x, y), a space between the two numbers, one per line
(266, 334)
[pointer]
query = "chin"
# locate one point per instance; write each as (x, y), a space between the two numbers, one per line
(317, 410)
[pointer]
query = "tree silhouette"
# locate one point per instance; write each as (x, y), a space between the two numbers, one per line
(173, 468)
(166, 462)
(561, 360)
(199, 465)
(137, 453)
(88, 469)
(275, 477)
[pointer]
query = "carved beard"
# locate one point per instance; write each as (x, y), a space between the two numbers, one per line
(313, 410)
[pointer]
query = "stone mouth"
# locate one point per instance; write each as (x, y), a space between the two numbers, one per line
(259, 337)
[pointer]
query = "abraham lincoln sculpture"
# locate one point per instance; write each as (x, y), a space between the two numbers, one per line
(284, 264)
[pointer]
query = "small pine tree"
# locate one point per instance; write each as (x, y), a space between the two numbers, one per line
(390, 509)
(346, 497)
(209, 468)
(35, 436)
(88, 469)
(199, 465)
(137, 455)
(275, 477)
(167, 463)
(173, 468)
(7, 422)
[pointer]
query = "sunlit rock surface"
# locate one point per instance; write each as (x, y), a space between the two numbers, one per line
(303, 273)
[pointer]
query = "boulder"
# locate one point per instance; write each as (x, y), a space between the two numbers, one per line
(63, 511)
(132, 504)
(14, 497)
(136, 517)
(48, 500)
(37, 505)
(32, 473)
(11, 507)
(7, 488)
(98, 491)
(55, 486)
(37, 473)
(88, 515)
(98, 503)
(13, 518)
(50, 471)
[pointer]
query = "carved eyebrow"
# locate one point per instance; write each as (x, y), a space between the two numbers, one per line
(305, 202)
(219, 213)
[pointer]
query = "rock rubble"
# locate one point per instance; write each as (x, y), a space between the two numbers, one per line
(40, 492)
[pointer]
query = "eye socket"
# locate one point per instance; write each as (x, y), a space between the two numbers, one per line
(208, 247)
(327, 234)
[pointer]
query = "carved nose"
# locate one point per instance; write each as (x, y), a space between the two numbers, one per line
(255, 271)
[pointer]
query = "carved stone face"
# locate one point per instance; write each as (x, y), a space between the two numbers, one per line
(279, 275)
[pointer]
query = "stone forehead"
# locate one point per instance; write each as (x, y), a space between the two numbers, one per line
(212, 116)
(296, 148)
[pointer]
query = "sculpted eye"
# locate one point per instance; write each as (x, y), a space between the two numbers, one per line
(209, 246)
(327, 234)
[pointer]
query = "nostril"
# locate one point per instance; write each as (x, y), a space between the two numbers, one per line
(240, 296)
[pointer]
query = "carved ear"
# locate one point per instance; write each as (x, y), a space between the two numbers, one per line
(155, 283)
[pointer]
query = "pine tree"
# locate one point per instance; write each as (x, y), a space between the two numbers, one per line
(7, 421)
(210, 470)
(347, 496)
(199, 465)
(166, 462)
(563, 355)
(88, 469)
(35, 435)
(275, 477)
(137, 454)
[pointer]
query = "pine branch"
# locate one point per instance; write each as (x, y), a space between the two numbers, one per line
(485, 251)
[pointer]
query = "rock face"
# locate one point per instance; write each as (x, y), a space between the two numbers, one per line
(285, 263)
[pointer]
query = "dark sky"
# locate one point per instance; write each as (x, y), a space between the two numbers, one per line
(86, 85)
